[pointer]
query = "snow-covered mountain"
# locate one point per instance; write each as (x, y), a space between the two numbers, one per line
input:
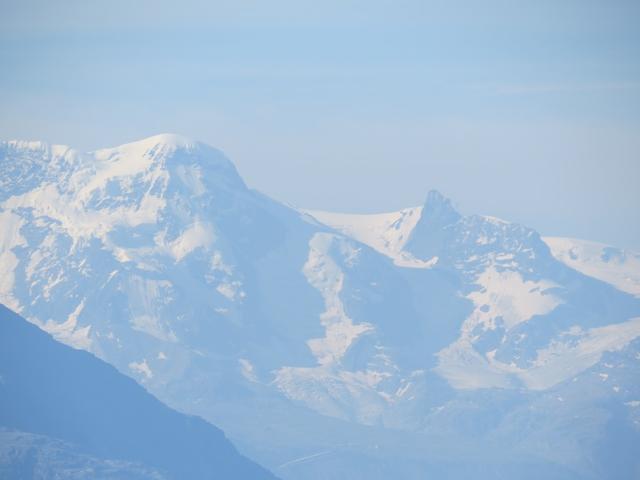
(347, 346)
(619, 267)
(523, 330)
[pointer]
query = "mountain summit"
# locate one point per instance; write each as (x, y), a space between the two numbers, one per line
(439, 208)
(432, 230)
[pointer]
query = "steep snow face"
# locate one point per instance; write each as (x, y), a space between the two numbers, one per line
(122, 221)
(386, 232)
(10, 237)
(124, 188)
(620, 268)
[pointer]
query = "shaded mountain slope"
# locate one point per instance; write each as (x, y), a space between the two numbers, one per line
(50, 389)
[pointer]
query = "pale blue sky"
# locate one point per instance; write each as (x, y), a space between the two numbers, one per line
(528, 110)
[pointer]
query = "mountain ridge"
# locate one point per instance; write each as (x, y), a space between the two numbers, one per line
(230, 305)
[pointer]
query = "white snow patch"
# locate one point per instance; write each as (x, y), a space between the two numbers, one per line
(620, 268)
(247, 369)
(8, 264)
(231, 290)
(10, 235)
(198, 235)
(506, 294)
(68, 331)
(10, 238)
(325, 275)
(218, 264)
(142, 368)
(495, 220)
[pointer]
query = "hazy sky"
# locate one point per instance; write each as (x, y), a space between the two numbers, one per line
(527, 110)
